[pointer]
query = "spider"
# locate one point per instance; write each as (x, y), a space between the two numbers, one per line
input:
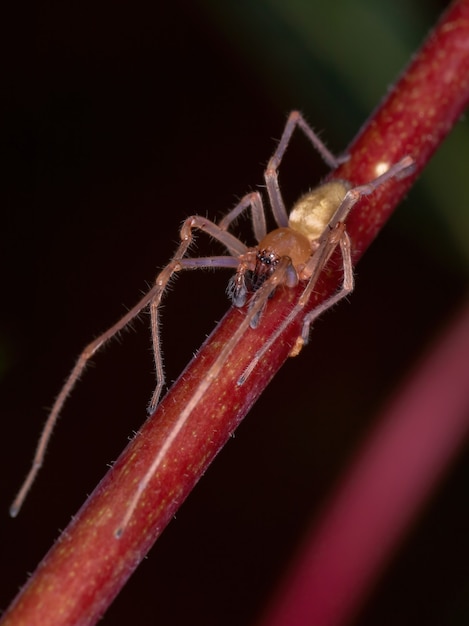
(294, 253)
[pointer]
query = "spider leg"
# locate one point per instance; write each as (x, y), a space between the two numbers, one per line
(401, 169)
(181, 262)
(347, 287)
(68, 386)
(271, 173)
(254, 201)
(152, 298)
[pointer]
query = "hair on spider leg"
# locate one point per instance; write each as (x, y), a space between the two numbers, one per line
(294, 253)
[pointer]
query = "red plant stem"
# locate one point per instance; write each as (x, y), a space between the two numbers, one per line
(83, 572)
(393, 474)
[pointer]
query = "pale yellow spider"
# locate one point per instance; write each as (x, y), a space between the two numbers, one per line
(295, 252)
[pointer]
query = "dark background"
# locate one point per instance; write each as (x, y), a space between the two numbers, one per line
(119, 120)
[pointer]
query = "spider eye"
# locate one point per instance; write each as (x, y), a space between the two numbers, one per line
(267, 258)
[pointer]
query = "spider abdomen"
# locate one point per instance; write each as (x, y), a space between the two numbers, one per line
(313, 211)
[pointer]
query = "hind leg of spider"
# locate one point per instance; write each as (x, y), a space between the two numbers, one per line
(334, 234)
(345, 289)
(295, 119)
(401, 169)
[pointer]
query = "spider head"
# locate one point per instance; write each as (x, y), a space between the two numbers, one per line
(266, 262)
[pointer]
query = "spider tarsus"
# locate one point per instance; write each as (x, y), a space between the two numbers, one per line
(151, 408)
(408, 166)
(342, 158)
(298, 347)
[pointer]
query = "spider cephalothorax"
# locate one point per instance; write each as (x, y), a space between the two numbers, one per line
(297, 242)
